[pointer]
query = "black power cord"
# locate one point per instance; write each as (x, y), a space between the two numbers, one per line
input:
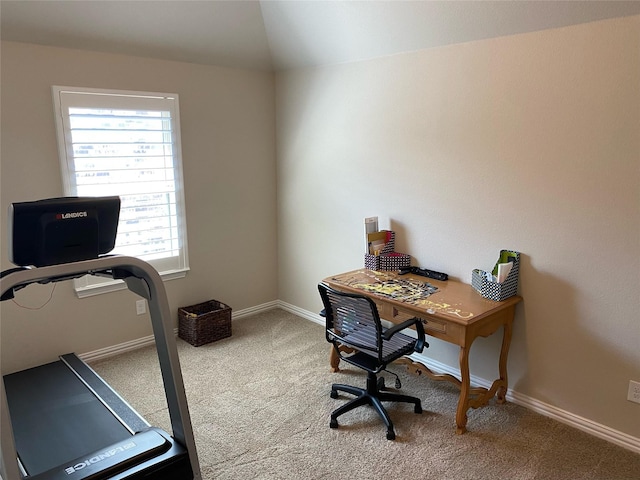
(381, 385)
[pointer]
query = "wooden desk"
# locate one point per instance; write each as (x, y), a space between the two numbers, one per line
(456, 313)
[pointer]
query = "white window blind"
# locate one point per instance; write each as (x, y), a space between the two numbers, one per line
(127, 144)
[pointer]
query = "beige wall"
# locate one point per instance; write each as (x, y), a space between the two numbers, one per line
(228, 146)
(528, 142)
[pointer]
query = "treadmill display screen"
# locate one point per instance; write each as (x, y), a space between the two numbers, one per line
(62, 230)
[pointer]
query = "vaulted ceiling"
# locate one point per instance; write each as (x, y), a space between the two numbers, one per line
(278, 35)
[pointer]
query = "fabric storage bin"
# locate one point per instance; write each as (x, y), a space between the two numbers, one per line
(204, 322)
(388, 261)
(485, 283)
(394, 261)
(372, 262)
(388, 258)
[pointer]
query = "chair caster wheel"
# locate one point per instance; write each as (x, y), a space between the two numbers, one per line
(333, 394)
(333, 423)
(418, 409)
(391, 435)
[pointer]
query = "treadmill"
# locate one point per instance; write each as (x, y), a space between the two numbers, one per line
(62, 421)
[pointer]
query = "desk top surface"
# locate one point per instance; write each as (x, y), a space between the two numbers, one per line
(453, 301)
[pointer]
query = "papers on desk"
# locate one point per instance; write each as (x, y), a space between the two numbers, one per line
(501, 282)
(503, 271)
(370, 226)
(379, 242)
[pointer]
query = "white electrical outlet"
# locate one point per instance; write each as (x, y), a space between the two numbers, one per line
(141, 307)
(634, 391)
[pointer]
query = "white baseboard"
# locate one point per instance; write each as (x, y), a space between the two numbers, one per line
(245, 312)
(589, 426)
(601, 431)
(563, 416)
(107, 352)
(104, 353)
(314, 317)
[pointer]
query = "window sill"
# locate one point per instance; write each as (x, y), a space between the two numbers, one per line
(115, 285)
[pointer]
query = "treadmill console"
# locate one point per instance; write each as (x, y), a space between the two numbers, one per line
(62, 230)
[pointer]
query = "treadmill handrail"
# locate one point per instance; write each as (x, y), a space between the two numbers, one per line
(144, 280)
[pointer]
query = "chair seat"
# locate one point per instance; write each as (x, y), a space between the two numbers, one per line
(365, 338)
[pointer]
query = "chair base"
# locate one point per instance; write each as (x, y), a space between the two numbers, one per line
(370, 396)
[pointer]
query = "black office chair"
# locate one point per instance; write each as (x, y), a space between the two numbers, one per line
(353, 321)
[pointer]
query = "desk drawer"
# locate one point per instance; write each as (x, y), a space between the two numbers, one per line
(395, 315)
(442, 329)
(433, 325)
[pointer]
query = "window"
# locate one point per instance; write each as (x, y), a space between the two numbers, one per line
(127, 144)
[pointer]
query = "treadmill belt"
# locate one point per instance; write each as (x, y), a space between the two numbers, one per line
(56, 418)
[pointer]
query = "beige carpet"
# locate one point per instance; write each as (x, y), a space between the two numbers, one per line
(260, 406)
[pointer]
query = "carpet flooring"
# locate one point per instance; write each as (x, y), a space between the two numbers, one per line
(260, 405)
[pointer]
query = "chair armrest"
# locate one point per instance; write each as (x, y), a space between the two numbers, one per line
(420, 343)
(390, 332)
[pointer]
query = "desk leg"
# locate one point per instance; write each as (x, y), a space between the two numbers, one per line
(504, 353)
(334, 360)
(465, 385)
(481, 396)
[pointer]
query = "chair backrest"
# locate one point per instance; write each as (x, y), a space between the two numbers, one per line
(353, 320)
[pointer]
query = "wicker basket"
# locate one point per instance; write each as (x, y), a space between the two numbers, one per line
(204, 323)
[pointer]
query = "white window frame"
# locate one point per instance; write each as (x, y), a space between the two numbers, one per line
(78, 97)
